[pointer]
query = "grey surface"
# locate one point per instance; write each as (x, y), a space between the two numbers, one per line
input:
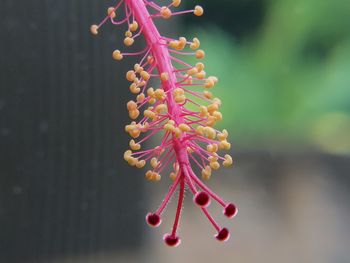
(64, 189)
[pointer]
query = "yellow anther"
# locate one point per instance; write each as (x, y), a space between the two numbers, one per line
(156, 177)
(141, 164)
(212, 148)
(211, 121)
(161, 108)
(203, 111)
(198, 10)
(181, 43)
(149, 174)
(199, 66)
(165, 12)
(228, 161)
(128, 34)
(184, 127)
(132, 161)
(209, 83)
(144, 75)
(153, 176)
(223, 135)
(142, 83)
(133, 26)
(224, 145)
(164, 76)
(176, 3)
(127, 155)
(171, 122)
(131, 105)
(212, 107)
(129, 127)
(169, 127)
(215, 165)
(94, 29)
(152, 101)
(177, 132)
(174, 44)
(128, 41)
(150, 92)
(150, 114)
(209, 132)
(150, 60)
(133, 114)
(138, 68)
(180, 99)
(130, 75)
(154, 162)
(172, 176)
(206, 172)
(134, 88)
(192, 71)
(140, 98)
(201, 75)
(213, 158)
(135, 133)
(217, 115)
(159, 94)
(200, 130)
(207, 94)
(134, 146)
(117, 55)
(179, 95)
(195, 44)
(200, 54)
(111, 12)
(178, 91)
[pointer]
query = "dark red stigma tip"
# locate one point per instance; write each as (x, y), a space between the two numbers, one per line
(230, 211)
(223, 234)
(153, 219)
(171, 241)
(202, 199)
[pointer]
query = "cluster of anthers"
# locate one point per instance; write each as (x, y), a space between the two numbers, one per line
(172, 109)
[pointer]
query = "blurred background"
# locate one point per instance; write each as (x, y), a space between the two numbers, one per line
(66, 195)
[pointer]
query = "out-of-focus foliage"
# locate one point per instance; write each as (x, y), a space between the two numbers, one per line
(288, 82)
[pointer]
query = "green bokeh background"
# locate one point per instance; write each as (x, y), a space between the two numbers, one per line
(284, 71)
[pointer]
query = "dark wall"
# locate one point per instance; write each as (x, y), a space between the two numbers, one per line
(63, 189)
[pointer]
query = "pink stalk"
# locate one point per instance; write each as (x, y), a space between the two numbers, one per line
(165, 110)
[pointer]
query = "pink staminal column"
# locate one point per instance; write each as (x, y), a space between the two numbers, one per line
(162, 57)
(178, 146)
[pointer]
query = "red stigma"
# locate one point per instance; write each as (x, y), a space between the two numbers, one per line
(202, 199)
(171, 241)
(223, 235)
(153, 220)
(230, 210)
